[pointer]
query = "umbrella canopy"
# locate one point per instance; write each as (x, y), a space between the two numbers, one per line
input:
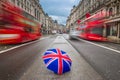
(57, 61)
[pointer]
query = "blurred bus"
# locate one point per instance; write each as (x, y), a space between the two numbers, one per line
(17, 26)
(92, 28)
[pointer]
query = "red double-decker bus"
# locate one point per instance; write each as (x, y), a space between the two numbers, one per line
(92, 28)
(15, 27)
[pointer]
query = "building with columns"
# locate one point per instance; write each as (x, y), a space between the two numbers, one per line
(111, 10)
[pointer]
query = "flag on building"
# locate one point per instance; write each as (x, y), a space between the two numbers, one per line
(78, 21)
(57, 61)
(87, 15)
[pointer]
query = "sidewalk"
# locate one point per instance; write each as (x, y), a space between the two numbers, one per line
(80, 69)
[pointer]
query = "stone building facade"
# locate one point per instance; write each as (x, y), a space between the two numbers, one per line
(113, 20)
(111, 9)
(33, 8)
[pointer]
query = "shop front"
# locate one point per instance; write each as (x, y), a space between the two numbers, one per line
(113, 30)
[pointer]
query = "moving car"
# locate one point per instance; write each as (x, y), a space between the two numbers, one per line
(73, 34)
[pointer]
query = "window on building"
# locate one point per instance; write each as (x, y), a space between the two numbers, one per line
(21, 1)
(118, 9)
(119, 29)
(22, 5)
(13, 1)
(102, 1)
(35, 12)
(114, 30)
(39, 16)
(25, 2)
(110, 11)
(28, 6)
(18, 3)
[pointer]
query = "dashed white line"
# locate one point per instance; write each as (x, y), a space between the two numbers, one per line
(21, 45)
(101, 46)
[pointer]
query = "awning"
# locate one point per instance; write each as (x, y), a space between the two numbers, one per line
(113, 20)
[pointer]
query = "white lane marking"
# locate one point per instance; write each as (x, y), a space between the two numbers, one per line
(21, 45)
(101, 46)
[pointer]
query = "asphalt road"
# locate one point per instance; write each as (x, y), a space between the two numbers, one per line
(80, 69)
(103, 57)
(15, 62)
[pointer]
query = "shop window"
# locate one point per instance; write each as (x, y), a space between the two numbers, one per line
(108, 31)
(114, 31)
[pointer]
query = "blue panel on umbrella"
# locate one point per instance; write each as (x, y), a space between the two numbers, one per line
(54, 50)
(54, 66)
(57, 61)
(66, 66)
(47, 60)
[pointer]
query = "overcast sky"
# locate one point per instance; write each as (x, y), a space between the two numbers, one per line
(58, 9)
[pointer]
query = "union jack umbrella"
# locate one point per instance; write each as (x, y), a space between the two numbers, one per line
(57, 61)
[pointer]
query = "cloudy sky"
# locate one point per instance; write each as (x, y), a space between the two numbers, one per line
(58, 9)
